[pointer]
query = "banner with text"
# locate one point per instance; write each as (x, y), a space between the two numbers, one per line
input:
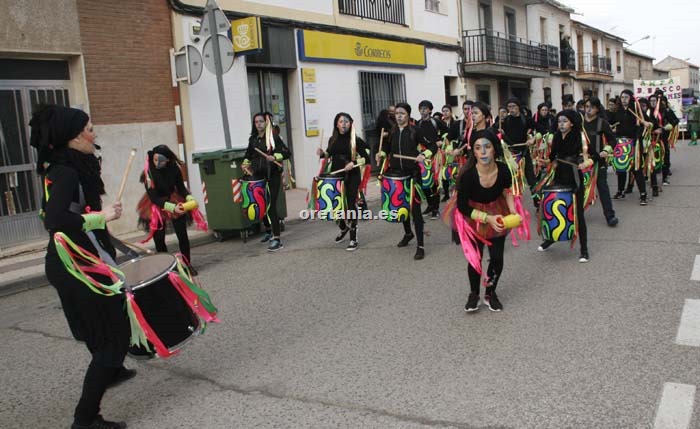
(671, 87)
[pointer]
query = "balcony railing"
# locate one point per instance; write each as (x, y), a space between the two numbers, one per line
(553, 57)
(589, 63)
(380, 10)
(488, 46)
(568, 59)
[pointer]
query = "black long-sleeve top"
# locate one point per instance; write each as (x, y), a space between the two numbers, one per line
(668, 116)
(626, 124)
(340, 151)
(166, 181)
(457, 132)
(431, 130)
(470, 189)
(260, 166)
(515, 129)
(60, 213)
(598, 140)
(405, 141)
(545, 124)
(570, 149)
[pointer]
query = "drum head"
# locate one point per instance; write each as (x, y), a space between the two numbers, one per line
(396, 175)
(557, 188)
(331, 176)
(143, 271)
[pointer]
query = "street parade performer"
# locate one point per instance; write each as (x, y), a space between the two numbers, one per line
(262, 160)
(167, 197)
(76, 221)
(481, 212)
(405, 158)
(349, 153)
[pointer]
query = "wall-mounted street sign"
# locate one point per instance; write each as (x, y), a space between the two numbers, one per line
(188, 65)
(246, 34)
(225, 54)
(222, 23)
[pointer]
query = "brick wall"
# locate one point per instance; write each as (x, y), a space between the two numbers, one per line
(125, 46)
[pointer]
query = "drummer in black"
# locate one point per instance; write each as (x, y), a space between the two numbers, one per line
(405, 141)
(628, 125)
(567, 148)
(351, 153)
(431, 131)
(516, 128)
(72, 205)
(267, 167)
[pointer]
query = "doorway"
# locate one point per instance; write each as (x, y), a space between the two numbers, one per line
(267, 92)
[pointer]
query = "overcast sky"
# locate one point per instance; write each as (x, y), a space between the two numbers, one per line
(670, 23)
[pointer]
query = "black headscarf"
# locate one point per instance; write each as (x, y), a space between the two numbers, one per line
(573, 116)
(52, 127)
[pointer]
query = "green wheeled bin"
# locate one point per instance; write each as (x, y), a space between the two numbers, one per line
(221, 173)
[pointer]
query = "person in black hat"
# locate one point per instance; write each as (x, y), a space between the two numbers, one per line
(568, 102)
(406, 141)
(567, 146)
(601, 137)
(483, 200)
(630, 125)
(516, 134)
(431, 131)
(72, 207)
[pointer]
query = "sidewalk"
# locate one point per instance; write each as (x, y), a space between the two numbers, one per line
(22, 266)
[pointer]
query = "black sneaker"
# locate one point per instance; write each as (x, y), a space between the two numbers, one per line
(100, 423)
(655, 192)
(613, 221)
(643, 200)
(583, 257)
(493, 302)
(428, 210)
(619, 196)
(193, 271)
(420, 254)
(472, 303)
(435, 215)
(122, 376)
(405, 240)
(341, 235)
(629, 189)
(266, 237)
(544, 246)
(351, 246)
(275, 245)
(666, 182)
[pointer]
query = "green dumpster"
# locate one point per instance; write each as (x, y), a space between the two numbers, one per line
(220, 171)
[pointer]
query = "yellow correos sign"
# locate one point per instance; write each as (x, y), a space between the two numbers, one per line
(342, 48)
(246, 35)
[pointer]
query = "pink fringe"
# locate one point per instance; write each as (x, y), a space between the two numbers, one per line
(150, 333)
(191, 298)
(469, 239)
(523, 231)
(199, 220)
(157, 223)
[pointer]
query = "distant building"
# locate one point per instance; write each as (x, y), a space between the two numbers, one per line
(638, 66)
(688, 73)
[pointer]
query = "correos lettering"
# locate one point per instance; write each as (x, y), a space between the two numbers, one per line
(376, 53)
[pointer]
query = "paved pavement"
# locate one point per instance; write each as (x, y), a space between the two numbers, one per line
(314, 336)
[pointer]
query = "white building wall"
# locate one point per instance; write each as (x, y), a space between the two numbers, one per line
(445, 23)
(316, 6)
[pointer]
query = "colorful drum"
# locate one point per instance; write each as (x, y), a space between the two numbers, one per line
(658, 156)
(255, 198)
(396, 197)
(330, 196)
(163, 307)
(449, 173)
(558, 218)
(426, 176)
(623, 155)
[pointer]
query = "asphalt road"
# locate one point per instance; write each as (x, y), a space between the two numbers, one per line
(314, 336)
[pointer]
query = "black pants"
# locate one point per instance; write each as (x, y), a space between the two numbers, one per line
(493, 272)
(272, 220)
(433, 196)
(352, 186)
(638, 177)
(667, 161)
(604, 191)
(417, 221)
(97, 378)
(180, 227)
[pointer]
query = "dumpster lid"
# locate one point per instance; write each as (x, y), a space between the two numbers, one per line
(215, 154)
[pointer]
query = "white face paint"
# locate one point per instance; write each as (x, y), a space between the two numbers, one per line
(260, 123)
(564, 124)
(484, 151)
(401, 117)
(160, 161)
(625, 99)
(343, 125)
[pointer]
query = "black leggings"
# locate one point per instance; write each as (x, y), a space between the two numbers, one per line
(180, 227)
(493, 272)
(417, 221)
(272, 220)
(97, 378)
(352, 186)
(638, 177)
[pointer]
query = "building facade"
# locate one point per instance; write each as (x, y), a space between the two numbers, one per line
(688, 73)
(91, 55)
(361, 56)
(637, 67)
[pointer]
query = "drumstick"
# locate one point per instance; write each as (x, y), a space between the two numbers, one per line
(132, 155)
(404, 157)
(342, 169)
(265, 155)
(567, 162)
(520, 144)
(138, 247)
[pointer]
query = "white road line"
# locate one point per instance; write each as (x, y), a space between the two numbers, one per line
(696, 269)
(689, 329)
(676, 407)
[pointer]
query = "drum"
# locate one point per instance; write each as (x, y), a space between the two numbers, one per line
(255, 198)
(449, 173)
(330, 196)
(558, 218)
(396, 197)
(426, 177)
(623, 155)
(658, 156)
(163, 307)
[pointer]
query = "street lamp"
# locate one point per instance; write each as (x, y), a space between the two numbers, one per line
(643, 38)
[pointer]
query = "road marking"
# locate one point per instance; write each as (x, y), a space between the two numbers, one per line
(696, 269)
(676, 407)
(689, 329)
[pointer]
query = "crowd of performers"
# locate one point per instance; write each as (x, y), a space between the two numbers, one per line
(482, 166)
